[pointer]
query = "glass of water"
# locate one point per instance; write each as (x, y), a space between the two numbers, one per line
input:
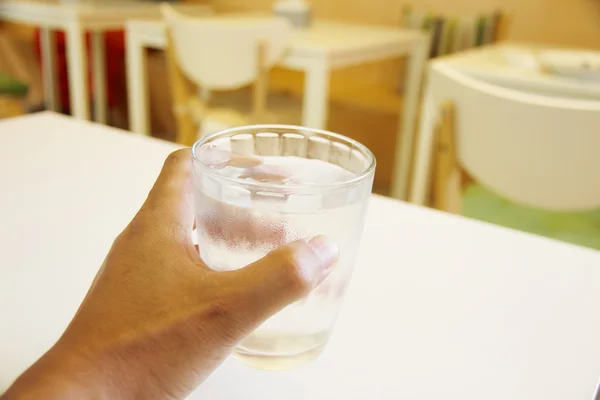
(259, 187)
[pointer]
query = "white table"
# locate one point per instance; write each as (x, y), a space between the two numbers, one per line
(440, 307)
(316, 51)
(514, 65)
(511, 65)
(76, 19)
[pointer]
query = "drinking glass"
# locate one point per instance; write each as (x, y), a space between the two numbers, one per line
(259, 187)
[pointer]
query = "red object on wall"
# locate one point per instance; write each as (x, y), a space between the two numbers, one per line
(115, 72)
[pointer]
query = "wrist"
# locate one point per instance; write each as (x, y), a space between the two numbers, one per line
(63, 373)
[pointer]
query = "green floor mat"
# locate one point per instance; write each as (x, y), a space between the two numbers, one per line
(581, 228)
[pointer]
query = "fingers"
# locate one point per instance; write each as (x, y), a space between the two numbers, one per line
(217, 158)
(171, 196)
(282, 277)
(234, 226)
(170, 202)
(249, 166)
(268, 174)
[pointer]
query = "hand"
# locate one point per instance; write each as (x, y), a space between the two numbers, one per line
(156, 321)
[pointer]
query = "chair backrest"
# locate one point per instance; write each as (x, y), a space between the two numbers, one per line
(220, 53)
(534, 150)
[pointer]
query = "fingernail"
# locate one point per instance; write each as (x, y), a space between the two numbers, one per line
(326, 249)
(213, 157)
(270, 174)
(238, 161)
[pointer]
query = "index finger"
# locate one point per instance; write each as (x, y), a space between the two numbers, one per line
(171, 195)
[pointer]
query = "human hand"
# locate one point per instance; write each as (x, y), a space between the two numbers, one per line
(156, 321)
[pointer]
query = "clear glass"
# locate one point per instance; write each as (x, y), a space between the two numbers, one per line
(259, 187)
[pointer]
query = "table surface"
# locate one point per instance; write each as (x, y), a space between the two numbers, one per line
(508, 63)
(439, 306)
(322, 35)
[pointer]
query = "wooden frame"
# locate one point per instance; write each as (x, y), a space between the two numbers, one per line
(182, 90)
(260, 93)
(448, 178)
(190, 108)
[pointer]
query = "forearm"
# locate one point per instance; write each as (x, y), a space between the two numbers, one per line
(61, 375)
(68, 371)
(33, 386)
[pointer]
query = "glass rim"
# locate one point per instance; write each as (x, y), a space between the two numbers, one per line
(293, 129)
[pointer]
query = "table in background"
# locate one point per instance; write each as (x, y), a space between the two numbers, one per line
(514, 65)
(76, 19)
(511, 65)
(440, 307)
(317, 50)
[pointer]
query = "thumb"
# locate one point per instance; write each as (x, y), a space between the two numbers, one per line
(284, 276)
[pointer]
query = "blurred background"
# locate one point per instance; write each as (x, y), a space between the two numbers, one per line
(486, 108)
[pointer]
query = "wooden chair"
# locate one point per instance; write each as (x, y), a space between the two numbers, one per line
(533, 150)
(223, 54)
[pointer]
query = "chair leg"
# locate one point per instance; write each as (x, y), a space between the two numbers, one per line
(433, 191)
(446, 165)
(181, 92)
(260, 86)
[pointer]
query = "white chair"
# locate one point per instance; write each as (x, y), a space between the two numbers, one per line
(533, 150)
(224, 54)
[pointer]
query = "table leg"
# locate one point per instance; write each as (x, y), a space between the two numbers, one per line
(137, 85)
(48, 47)
(422, 160)
(99, 71)
(316, 95)
(405, 139)
(78, 71)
